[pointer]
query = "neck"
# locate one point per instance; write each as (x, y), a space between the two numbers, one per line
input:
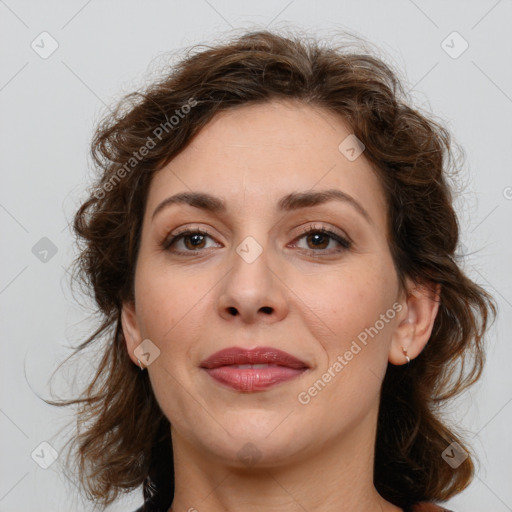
(334, 476)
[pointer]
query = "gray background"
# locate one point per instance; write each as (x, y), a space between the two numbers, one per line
(49, 107)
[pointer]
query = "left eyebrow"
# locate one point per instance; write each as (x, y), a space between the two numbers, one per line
(297, 200)
(290, 202)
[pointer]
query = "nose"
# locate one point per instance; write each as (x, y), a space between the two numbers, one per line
(252, 291)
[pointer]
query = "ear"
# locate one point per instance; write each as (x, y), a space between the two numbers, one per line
(420, 307)
(130, 329)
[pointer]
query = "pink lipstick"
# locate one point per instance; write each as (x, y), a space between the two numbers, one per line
(253, 370)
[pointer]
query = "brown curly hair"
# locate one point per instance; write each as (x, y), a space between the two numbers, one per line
(413, 157)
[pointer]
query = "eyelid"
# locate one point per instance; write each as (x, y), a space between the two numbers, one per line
(169, 238)
(311, 225)
(323, 227)
(342, 240)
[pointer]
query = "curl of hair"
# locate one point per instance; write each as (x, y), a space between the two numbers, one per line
(411, 155)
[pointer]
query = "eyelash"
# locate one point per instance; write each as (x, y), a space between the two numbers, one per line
(343, 242)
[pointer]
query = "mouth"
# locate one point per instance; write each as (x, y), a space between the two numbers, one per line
(253, 370)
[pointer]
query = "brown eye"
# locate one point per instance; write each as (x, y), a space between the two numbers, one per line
(318, 240)
(192, 241)
(196, 240)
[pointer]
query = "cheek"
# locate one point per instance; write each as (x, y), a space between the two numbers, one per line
(170, 306)
(346, 306)
(348, 325)
(165, 298)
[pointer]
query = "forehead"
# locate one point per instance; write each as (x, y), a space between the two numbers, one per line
(254, 155)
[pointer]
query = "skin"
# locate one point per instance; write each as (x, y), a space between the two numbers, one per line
(315, 456)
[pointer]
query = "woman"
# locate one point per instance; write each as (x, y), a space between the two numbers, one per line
(272, 244)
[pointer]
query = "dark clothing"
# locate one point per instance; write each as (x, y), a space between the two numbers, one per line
(428, 507)
(419, 507)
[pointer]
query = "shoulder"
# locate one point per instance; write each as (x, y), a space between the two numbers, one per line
(425, 506)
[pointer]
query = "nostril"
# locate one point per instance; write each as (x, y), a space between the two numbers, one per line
(233, 311)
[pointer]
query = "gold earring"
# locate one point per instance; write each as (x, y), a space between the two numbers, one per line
(404, 350)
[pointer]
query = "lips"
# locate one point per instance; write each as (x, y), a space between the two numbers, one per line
(261, 355)
(252, 370)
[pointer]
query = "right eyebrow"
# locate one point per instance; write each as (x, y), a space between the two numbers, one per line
(196, 199)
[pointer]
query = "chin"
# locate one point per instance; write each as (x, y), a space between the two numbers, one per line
(254, 446)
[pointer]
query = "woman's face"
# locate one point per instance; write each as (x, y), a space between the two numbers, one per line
(256, 280)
